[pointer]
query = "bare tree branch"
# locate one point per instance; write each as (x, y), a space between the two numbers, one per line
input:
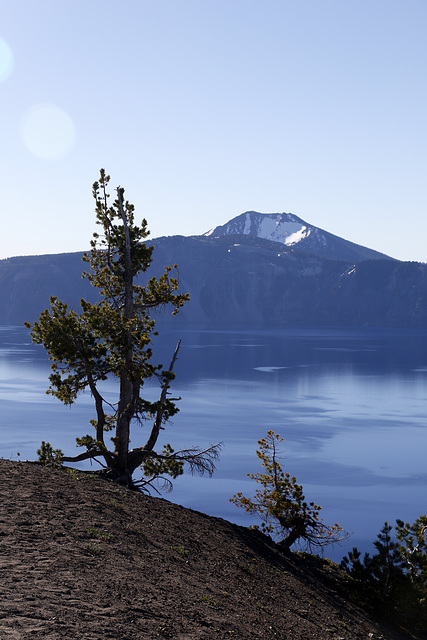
(144, 484)
(92, 453)
(200, 461)
(137, 456)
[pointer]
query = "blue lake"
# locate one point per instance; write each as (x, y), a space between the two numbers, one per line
(350, 405)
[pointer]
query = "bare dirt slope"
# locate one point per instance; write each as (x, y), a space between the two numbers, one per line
(84, 559)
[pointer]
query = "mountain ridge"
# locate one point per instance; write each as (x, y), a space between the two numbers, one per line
(293, 232)
(244, 280)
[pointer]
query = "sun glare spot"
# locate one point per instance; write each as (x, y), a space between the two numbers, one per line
(6, 60)
(47, 131)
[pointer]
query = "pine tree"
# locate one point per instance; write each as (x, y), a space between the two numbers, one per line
(412, 539)
(281, 505)
(112, 338)
(393, 580)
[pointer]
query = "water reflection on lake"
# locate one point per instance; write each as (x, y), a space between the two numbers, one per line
(351, 406)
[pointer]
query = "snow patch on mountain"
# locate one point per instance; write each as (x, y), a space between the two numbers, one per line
(296, 237)
(277, 227)
(293, 232)
(272, 227)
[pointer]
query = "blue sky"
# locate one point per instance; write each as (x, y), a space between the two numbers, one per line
(203, 109)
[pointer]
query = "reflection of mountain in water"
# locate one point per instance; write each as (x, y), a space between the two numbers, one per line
(283, 356)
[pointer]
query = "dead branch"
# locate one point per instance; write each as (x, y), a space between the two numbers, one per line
(161, 410)
(200, 461)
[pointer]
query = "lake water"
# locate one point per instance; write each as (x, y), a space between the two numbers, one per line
(350, 405)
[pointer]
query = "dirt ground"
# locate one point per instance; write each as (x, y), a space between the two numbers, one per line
(85, 559)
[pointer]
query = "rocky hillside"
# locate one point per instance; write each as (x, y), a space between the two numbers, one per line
(85, 559)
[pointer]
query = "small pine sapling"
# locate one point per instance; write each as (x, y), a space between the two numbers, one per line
(48, 456)
(281, 505)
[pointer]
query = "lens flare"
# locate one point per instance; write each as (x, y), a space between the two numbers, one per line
(47, 131)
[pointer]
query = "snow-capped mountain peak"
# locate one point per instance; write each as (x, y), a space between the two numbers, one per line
(293, 232)
(277, 227)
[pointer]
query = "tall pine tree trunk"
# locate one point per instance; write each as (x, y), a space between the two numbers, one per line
(127, 398)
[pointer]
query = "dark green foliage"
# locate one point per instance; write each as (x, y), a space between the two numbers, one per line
(49, 456)
(379, 577)
(393, 580)
(413, 548)
(112, 338)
